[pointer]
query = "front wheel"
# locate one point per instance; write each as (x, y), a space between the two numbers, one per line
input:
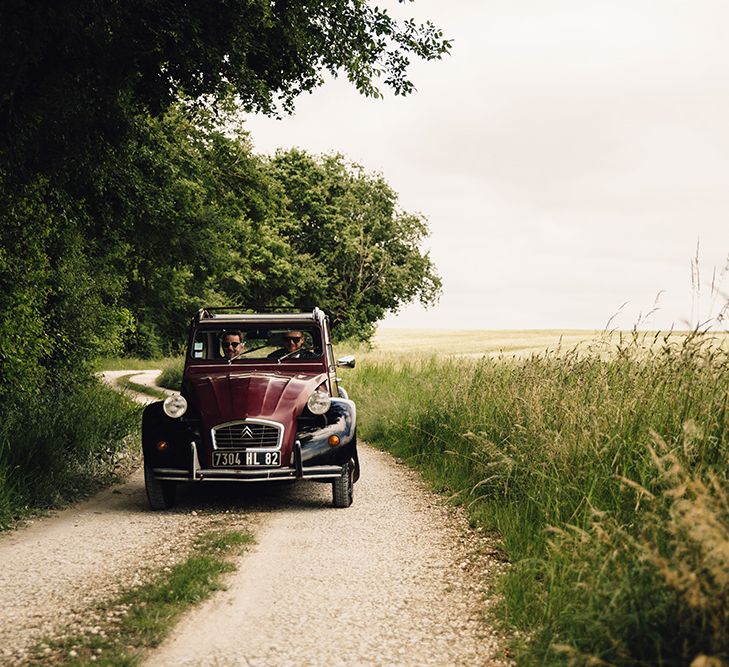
(343, 488)
(160, 494)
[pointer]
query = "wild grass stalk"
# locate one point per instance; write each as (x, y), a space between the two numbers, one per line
(553, 451)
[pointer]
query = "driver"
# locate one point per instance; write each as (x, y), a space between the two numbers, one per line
(232, 344)
(293, 347)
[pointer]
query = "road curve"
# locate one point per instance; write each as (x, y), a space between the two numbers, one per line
(396, 579)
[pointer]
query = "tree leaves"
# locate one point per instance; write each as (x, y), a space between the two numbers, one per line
(125, 208)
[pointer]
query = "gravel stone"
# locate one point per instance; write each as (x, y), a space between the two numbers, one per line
(57, 569)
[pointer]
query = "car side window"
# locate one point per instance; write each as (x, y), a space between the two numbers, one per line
(199, 347)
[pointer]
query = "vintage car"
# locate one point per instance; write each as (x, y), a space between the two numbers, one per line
(260, 402)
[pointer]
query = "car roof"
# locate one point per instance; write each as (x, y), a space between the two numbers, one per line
(210, 316)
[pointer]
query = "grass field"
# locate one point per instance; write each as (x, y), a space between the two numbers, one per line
(602, 465)
(478, 342)
(475, 343)
(64, 446)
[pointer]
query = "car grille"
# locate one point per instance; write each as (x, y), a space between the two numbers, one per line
(241, 435)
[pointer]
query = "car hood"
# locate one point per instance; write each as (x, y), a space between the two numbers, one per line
(241, 395)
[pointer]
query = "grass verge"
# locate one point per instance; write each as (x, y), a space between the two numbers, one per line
(126, 383)
(142, 617)
(64, 446)
(606, 477)
(129, 363)
(171, 375)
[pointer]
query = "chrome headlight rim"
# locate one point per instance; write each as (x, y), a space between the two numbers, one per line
(319, 402)
(175, 406)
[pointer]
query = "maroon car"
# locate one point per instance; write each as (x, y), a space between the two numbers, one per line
(260, 402)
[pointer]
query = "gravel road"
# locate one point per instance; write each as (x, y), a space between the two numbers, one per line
(54, 569)
(398, 578)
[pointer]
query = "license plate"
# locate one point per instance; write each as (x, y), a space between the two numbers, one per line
(245, 458)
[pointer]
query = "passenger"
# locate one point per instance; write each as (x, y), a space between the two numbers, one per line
(233, 344)
(293, 347)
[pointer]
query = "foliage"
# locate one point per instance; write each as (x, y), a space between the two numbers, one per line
(63, 446)
(617, 537)
(345, 224)
(72, 77)
(54, 294)
(221, 225)
(122, 209)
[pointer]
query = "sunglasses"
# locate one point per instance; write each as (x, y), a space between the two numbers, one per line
(292, 339)
(227, 344)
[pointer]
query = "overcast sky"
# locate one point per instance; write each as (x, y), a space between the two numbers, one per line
(568, 156)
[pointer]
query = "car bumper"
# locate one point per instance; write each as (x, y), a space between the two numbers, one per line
(197, 474)
(322, 473)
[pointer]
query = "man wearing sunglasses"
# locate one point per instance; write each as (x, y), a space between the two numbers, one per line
(293, 347)
(232, 344)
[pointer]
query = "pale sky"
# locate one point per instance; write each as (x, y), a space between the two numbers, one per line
(568, 156)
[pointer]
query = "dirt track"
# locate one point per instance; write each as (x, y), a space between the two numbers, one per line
(395, 579)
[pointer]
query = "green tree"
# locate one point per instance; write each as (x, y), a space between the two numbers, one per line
(292, 230)
(123, 208)
(347, 222)
(72, 74)
(88, 127)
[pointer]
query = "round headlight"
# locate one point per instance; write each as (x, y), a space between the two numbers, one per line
(319, 402)
(175, 406)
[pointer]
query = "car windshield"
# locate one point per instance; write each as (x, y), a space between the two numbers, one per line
(277, 343)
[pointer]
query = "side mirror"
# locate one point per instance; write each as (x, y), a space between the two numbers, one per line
(347, 362)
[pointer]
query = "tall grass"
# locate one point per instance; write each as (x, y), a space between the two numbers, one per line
(171, 375)
(62, 446)
(619, 545)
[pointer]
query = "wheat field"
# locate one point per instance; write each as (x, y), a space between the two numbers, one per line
(398, 345)
(471, 342)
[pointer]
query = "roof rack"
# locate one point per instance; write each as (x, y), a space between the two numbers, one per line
(242, 312)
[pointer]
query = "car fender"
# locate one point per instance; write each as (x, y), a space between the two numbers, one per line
(341, 421)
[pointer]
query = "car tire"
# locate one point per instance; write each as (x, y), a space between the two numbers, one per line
(343, 488)
(355, 459)
(161, 495)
